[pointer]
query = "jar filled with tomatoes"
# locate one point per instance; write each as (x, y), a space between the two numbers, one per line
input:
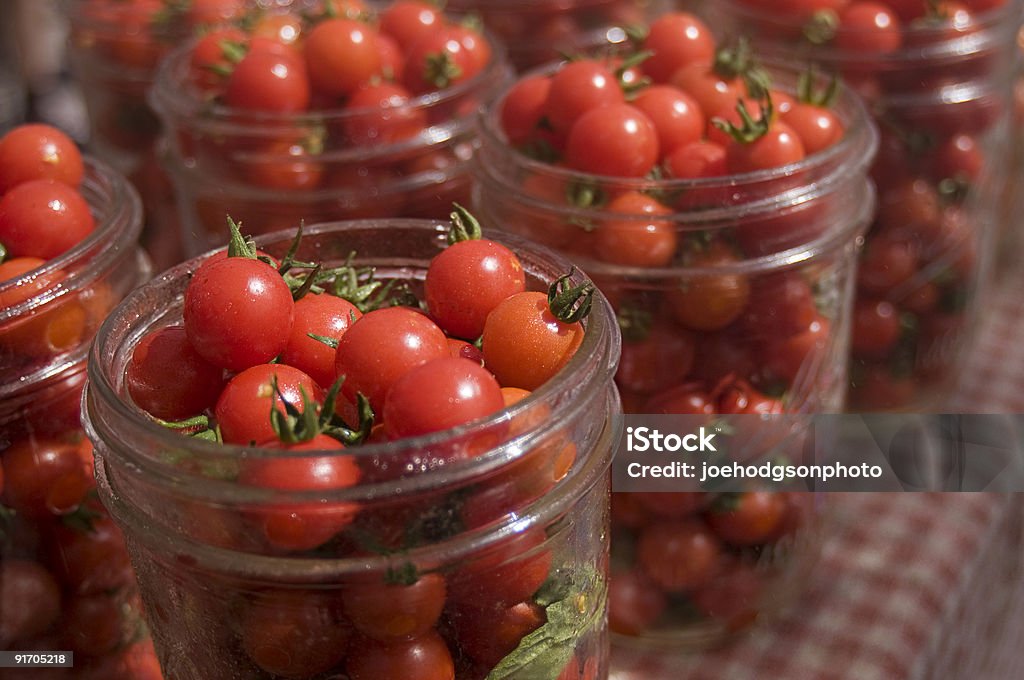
(722, 222)
(385, 499)
(937, 77)
(537, 31)
(69, 230)
(347, 114)
(114, 47)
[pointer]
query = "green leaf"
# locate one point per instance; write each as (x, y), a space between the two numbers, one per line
(544, 653)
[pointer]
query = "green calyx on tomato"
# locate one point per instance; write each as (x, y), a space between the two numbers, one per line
(570, 304)
(441, 70)
(821, 27)
(196, 426)
(632, 61)
(464, 226)
(806, 93)
(738, 61)
(634, 322)
(749, 130)
(294, 426)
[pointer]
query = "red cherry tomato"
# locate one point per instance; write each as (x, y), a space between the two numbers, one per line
(380, 113)
(868, 27)
(294, 634)
(38, 151)
(93, 625)
(269, 80)
(641, 241)
(711, 91)
(617, 140)
(466, 281)
(341, 55)
(659, 360)
(489, 636)
(407, 21)
(677, 39)
(381, 347)
(522, 109)
(733, 597)
(693, 161)
(395, 611)
(634, 603)
(325, 315)
(816, 126)
(439, 60)
(238, 312)
(45, 477)
(779, 147)
(876, 329)
(90, 561)
(302, 525)
(577, 88)
(29, 599)
(420, 658)
(709, 302)
(686, 399)
(798, 358)
(509, 573)
(168, 379)
(209, 64)
(676, 115)
(43, 218)
(749, 518)
(243, 407)
(678, 556)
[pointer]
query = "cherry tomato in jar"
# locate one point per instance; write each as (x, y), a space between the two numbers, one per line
(678, 555)
(243, 407)
(323, 315)
(43, 218)
(168, 379)
(425, 657)
(395, 610)
(748, 518)
(37, 151)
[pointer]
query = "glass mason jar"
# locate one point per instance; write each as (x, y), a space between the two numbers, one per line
(271, 170)
(65, 581)
(537, 31)
(113, 51)
(939, 88)
(459, 560)
(749, 312)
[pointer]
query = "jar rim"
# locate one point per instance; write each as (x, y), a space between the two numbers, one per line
(592, 365)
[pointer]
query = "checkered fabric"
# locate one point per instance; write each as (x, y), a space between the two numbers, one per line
(910, 586)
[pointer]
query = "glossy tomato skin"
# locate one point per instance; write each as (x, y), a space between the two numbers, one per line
(341, 55)
(302, 525)
(381, 347)
(488, 637)
(409, 20)
(677, 39)
(381, 114)
(238, 312)
(677, 117)
(243, 407)
(324, 315)
(45, 477)
(509, 573)
(579, 87)
(92, 560)
(522, 109)
(168, 379)
(749, 518)
(641, 241)
(466, 281)
(524, 344)
(617, 140)
(43, 218)
(48, 330)
(439, 60)
(679, 555)
(438, 395)
(30, 599)
(269, 80)
(37, 151)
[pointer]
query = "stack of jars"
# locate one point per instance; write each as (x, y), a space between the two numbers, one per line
(728, 250)
(479, 551)
(324, 114)
(937, 77)
(65, 579)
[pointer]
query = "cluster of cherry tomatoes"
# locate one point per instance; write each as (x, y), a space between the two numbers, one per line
(687, 557)
(287, 356)
(924, 257)
(65, 580)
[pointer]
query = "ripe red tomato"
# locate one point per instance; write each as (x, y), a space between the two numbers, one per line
(381, 347)
(393, 611)
(295, 634)
(439, 60)
(885, 264)
(438, 395)
(634, 603)
(661, 359)
(780, 305)
(341, 55)
(749, 518)
(876, 329)
(525, 344)
(489, 636)
(817, 127)
(677, 39)
(43, 218)
(90, 561)
(733, 597)
(168, 379)
(425, 657)
(57, 326)
(243, 407)
(466, 281)
(409, 20)
(45, 477)
(868, 27)
(686, 399)
(238, 312)
(93, 625)
(29, 599)
(676, 115)
(301, 525)
(779, 147)
(617, 140)
(579, 87)
(506, 574)
(287, 163)
(678, 555)
(38, 151)
(325, 315)
(711, 91)
(522, 109)
(696, 160)
(640, 240)
(269, 80)
(798, 358)
(209, 66)
(380, 113)
(709, 302)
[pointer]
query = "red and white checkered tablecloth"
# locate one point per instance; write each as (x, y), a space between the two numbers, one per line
(915, 586)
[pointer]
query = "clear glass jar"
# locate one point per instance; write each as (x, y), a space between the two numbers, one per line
(941, 95)
(490, 556)
(749, 314)
(271, 170)
(537, 31)
(113, 51)
(64, 572)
